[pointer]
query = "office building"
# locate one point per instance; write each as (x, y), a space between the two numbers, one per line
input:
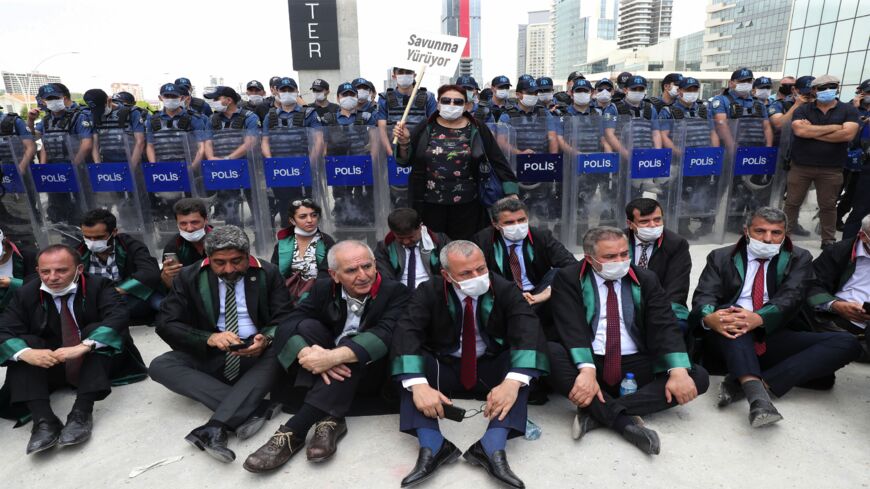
(643, 22)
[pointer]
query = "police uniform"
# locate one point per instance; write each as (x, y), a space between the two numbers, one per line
(641, 132)
(496, 109)
(659, 102)
(330, 107)
(112, 128)
(861, 200)
(260, 109)
(763, 82)
(371, 104)
(198, 105)
(481, 112)
(391, 107)
(168, 134)
(14, 208)
(545, 84)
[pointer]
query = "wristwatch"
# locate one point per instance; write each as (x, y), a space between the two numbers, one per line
(90, 344)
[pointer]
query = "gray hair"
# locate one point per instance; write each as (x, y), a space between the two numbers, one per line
(865, 225)
(227, 237)
(506, 204)
(601, 233)
(465, 248)
(332, 255)
(769, 214)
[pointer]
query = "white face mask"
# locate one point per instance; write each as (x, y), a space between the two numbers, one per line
(673, 91)
(501, 93)
(515, 232)
(476, 99)
(451, 112)
(301, 232)
(603, 96)
(255, 99)
(287, 98)
(582, 98)
(743, 88)
(69, 289)
(97, 246)
(614, 270)
(545, 97)
(320, 96)
(473, 287)
(762, 93)
(635, 97)
(363, 94)
(404, 81)
(763, 250)
(348, 103)
(217, 106)
(171, 103)
(193, 236)
(529, 100)
(469, 94)
(690, 97)
(55, 105)
(649, 234)
(107, 110)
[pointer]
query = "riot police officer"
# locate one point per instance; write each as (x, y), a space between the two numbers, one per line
(392, 103)
(564, 98)
(13, 126)
(472, 95)
(113, 124)
(166, 131)
(545, 96)
(348, 113)
(272, 99)
(321, 104)
(365, 96)
(603, 94)
(761, 90)
(501, 86)
(861, 201)
(621, 80)
(670, 86)
(17, 149)
(638, 109)
(256, 102)
(780, 111)
(124, 98)
(197, 104)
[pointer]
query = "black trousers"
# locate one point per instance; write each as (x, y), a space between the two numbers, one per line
(860, 205)
(443, 374)
(460, 221)
(792, 357)
(336, 397)
(650, 395)
(203, 381)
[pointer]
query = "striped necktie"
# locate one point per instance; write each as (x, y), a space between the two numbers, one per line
(232, 365)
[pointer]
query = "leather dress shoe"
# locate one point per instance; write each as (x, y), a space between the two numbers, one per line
(79, 425)
(497, 466)
(45, 434)
(212, 439)
(257, 420)
(644, 438)
(729, 392)
(275, 452)
(325, 440)
(583, 423)
(763, 413)
(428, 463)
(799, 230)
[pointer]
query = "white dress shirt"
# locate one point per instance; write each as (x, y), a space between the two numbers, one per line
(745, 300)
(419, 270)
(638, 250)
(351, 324)
(6, 268)
(69, 303)
(247, 328)
(857, 288)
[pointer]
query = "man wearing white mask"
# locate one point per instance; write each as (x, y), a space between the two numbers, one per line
(16, 266)
(187, 245)
(614, 322)
(66, 329)
(365, 95)
(501, 89)
(761, 90)
(745, 306)
(321, 104)
(122, 259)
(468, 333)
(736, 102)
(670, 91)
(392, 103)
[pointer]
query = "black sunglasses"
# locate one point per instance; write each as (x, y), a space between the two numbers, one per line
(452, 101)
(827, 87)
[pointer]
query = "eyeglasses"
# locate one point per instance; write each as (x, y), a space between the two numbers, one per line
(830, 86)
(452, 101)
(299, 203)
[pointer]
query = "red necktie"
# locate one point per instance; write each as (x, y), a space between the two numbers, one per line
(71, 337)
(516, 270)
(758, 299)
(612, 349)
(468, 364)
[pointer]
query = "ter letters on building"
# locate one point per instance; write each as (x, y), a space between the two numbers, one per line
(314, 34)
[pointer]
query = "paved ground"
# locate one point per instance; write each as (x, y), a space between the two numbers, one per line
(823, 442)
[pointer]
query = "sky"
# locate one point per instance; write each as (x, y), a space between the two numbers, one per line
(155, 41)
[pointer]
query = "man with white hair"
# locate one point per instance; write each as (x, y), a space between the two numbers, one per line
(335, 343)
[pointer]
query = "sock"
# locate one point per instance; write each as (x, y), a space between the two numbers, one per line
(84, 405)
(305, 419)
(493, 440)
(40, 409)
(755, 390)
(621, 423)
(431, 439)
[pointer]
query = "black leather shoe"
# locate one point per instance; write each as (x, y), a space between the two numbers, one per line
(497, 466)
(644, 438)
(583, 423)
(213, 440)
(45, 434)
(799, 231)
(255, 423)
(428, 463)
(79, 425)
(729, 392)
(763, 413)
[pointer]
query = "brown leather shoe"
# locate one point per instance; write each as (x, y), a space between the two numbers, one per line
(276, 452)
(325, 439)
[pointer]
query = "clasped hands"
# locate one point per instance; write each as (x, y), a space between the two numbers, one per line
(733, 322)
(45, 358)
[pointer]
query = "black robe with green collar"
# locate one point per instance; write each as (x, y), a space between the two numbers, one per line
(672, 263)
(649, 319)
(140, 275)
(23, 270)
(184, 249)
(541, 252)
(390, 255)
(833, 268)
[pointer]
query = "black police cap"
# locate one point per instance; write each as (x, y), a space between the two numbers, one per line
(222, 91)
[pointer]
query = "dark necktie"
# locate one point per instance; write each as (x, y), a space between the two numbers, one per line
(612, 349)
(643, 262)
(758, 299)
(412, 268)
(71, 337)
(232, 365)
(468, 363)
(516, 269)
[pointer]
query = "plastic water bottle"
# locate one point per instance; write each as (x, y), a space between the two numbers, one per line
(628, 385)
(533, 431)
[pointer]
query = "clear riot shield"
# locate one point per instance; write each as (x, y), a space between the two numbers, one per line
(752, 169)
(287, 172)
(18, 219)
(651, 172)
(537, 163)
(346, 175)
(114, 184)
(168, 179)
(234, 187)
(700, 189)
(58, 185)
(594, 174)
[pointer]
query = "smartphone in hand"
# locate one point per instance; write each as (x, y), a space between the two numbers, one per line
(170, 258)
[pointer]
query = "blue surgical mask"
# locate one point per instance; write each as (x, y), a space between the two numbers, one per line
(826, 95)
